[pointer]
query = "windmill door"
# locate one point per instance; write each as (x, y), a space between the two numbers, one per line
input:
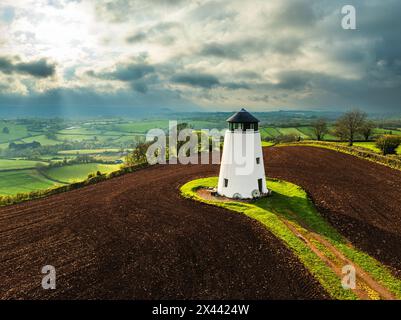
(260, 185)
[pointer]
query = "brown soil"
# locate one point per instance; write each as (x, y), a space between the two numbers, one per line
(359, 198)
(134, 237)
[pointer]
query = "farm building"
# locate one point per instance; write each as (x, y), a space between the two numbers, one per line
(242, 172)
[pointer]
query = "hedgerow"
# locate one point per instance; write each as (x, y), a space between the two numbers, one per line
(92, 179)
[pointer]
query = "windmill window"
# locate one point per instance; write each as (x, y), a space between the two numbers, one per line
(257, 160)
(225, 183)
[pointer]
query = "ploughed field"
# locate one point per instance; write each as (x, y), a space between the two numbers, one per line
(135, 237)
(361, 199)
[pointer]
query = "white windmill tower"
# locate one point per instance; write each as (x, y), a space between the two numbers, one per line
(242, 172)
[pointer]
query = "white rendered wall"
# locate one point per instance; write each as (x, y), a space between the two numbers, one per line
(242, 176)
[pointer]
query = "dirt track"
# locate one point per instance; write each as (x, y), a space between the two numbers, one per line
(135, 237)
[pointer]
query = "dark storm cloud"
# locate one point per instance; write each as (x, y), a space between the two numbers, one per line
(246, 74)
(125, 72)
(239, 49)
(213, 11)
(6, 65)
(294, 80)
(140, 86)
(161, 33)
(295, 14)
(38, 69)
(206, 81)
(196, 80)
(88, 102)
(336, 91)
(221, 51)
(131, 72)
(264, 98)
(123, 10)
(236, 85)
(380, 22)
(139, 75)
(287, 46)
(137, 37)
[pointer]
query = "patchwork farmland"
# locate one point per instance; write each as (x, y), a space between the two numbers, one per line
(104, 142)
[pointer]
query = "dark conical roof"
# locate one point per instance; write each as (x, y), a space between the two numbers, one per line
(242, 116)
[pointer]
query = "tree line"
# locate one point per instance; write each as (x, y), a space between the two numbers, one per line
(354, 123)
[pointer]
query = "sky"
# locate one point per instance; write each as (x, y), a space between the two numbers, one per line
(206, 55)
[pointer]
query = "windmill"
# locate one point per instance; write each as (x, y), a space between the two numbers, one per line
(242, 172)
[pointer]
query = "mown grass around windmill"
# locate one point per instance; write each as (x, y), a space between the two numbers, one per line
(292, 217)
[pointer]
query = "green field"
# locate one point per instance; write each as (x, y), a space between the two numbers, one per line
(78, 172)
(16, 132)
(88, 151)
(10, 164)
(268, 132)
(387, 131)
(303, 132)
(292, 131)
(110, 139)
(108, 134)
(4, 145)
(42, 140)
(129, 138)
(23, 181)
(137, 126)
(306, 132)
(21, 176)
(198, 124)
(75, 137)
(80, 131)
(145, 125)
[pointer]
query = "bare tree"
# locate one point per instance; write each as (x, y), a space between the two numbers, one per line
(320, 128)
(367, 129)
(349, 124)
(339, 134)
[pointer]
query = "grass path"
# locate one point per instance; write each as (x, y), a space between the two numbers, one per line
(366, 287)
(291, 216)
